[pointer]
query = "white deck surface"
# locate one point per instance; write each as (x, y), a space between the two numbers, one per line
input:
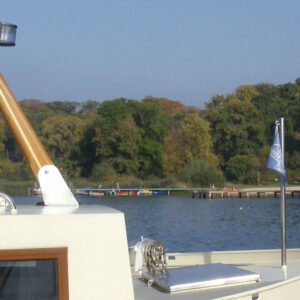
(270, 274)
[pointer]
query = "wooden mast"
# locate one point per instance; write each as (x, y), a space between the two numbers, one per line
(26, 137)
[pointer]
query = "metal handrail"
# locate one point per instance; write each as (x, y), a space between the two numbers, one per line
(9, 203)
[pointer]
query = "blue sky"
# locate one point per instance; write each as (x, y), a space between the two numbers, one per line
(183, 50)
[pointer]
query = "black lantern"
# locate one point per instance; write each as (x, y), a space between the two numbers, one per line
(7, 34)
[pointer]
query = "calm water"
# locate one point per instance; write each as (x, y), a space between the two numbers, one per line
(185, 224)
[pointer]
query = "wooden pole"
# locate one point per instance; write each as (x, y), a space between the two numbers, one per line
(27, 139)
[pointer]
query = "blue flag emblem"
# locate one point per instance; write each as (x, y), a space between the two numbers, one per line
(275, 161)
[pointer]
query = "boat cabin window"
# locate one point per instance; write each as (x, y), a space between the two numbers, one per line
(32, 274)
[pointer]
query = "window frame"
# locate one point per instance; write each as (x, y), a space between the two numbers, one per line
(60, 254)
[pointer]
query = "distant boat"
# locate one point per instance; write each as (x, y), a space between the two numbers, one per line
(125, 193)
(159, 192)
(96, 193)
(37, 191)
(144, 193)
(87, 191)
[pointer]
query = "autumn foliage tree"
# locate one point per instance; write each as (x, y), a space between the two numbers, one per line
(161, 138)
(187, 141)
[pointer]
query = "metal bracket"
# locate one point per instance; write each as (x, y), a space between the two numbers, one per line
(54, 188)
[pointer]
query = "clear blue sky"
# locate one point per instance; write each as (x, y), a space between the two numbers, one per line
(186, 50)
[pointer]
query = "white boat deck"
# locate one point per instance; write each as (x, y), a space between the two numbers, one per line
(273, 284)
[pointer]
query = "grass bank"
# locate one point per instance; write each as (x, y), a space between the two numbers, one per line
(15, 187)
(20, 187)
(128, 182)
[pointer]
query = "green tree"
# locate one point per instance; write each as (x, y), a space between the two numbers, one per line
(274, 102)
(87, 107)
(118, 144)
(293, 171)
(152, 123)
(85, 155)
(104, 172)
(243, 168)
(145, 125)
(63, 107)
(6, 168)
(236, 128)
(201, 173)
(2, 138)
(60, 136)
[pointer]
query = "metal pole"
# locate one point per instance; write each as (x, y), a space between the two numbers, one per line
(282, 203)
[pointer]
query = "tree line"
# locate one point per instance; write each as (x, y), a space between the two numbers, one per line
(228, 140)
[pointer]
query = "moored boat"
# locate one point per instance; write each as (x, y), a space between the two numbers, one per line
(37, 191)
(144, 193)
(87, 191)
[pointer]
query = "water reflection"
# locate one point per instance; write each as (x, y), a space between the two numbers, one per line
(187, 224)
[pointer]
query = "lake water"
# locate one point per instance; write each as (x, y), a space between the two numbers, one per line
(185, 224)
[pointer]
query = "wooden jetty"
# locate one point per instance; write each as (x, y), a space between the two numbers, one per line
(87, 191)
(258, 192)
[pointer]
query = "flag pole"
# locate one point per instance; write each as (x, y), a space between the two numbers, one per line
(276, 163)
(282, 202)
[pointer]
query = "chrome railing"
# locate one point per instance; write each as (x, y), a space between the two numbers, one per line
(7, 203)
